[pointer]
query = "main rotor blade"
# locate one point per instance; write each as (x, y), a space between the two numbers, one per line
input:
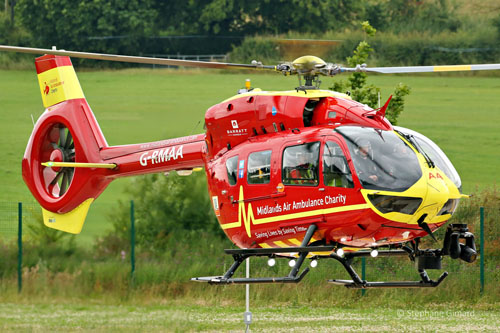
(422, 69)
(133, 59)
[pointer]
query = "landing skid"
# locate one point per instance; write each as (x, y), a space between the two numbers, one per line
(357, 283)
(424, 259)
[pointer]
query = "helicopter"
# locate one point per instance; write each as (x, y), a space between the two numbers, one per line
(300, 174)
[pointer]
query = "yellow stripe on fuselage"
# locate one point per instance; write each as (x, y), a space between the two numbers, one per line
(279, 218)
(59, 84)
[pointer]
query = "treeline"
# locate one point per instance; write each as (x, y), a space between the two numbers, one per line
(215, 26)
(389, 49)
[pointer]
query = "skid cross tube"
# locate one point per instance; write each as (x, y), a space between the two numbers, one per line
(240, 255)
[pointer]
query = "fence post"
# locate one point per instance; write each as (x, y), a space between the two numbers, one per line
(363, 273)
(20, 247)
(481, 247)
(132, 240)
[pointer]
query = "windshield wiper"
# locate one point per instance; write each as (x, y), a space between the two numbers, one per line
(415, 144)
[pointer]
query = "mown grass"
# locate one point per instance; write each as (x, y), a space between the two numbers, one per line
(182, 317)
(460, 113)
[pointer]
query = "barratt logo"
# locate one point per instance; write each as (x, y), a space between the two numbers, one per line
(161, 156)
(236, 130)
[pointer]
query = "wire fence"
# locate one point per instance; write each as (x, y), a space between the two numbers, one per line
(22, 220)
(194, 57)
(8, 219)
(14, 217)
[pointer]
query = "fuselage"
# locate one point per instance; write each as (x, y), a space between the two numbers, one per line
(254, 150)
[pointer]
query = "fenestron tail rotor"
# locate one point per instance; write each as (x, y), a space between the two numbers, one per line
(58, 179)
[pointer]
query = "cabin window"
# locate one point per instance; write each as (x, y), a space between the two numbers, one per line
(300, 164)
(232, 170)
(259, 167)
(335, 169)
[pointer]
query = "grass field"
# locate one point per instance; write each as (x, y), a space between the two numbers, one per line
(50, 317)
(460, 113)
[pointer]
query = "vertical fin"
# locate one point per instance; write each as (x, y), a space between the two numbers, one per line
(57, 79)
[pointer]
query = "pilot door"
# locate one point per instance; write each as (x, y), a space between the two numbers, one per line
(301, 178)
(342, 201)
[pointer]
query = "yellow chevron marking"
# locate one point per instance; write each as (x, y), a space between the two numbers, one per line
(265, 245)
(295, 241)
(281, 244)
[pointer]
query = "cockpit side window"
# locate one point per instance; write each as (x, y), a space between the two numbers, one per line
(300, 164)
(232, 170)
(381, 159)
(259, 167)
(335, 168)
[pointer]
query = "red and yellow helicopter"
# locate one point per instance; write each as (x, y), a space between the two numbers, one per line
(306, 173)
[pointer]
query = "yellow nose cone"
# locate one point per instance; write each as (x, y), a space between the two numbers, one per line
(437, 195)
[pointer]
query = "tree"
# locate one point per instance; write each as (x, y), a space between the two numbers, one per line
(412, 15)
(164, 207)
(368, 94)
(241, 17)
(88, 24)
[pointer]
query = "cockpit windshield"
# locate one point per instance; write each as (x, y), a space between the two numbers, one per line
(437, 156)
(382, 160)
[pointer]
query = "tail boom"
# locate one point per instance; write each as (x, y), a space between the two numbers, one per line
(182, 153)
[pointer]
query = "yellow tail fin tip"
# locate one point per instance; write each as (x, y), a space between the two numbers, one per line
(71, 222)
